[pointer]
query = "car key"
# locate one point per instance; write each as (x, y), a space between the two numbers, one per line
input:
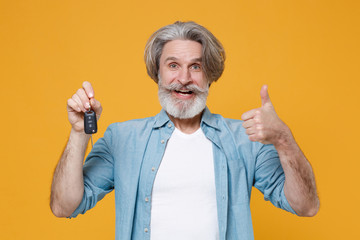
(90, 123)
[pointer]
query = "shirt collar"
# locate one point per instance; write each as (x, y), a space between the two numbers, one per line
(207, 118)
(161, 119)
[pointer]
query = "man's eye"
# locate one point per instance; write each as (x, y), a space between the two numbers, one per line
(172, 65)
(196, 67)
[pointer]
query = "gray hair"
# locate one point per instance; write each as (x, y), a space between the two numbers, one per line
(213, 54)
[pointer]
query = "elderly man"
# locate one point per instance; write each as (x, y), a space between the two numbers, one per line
(185, 173)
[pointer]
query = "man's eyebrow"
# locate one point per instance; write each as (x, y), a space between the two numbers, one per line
(176, 59)
(197, 59)
(171, 59)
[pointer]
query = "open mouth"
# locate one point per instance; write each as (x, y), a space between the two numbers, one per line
(184, 92)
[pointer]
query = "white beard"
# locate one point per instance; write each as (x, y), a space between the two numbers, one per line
(182, 109)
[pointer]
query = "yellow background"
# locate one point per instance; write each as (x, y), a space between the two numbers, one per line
(306, 51)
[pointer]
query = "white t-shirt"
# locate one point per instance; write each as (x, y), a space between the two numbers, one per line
(183, 204)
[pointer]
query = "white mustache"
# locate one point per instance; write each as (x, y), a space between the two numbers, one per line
(181, 87)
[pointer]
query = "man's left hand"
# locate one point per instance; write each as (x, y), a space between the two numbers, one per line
(263, 124)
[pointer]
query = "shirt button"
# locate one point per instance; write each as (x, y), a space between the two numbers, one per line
(153, 169)
(146, 199)
(162, 141)
(223, 197)
(169, 125)
(146, 230)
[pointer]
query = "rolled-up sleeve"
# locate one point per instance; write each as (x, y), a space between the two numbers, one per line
(270, 177)
(98, 172)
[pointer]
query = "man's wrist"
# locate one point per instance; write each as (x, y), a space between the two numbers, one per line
(79, 137)
(285, 139)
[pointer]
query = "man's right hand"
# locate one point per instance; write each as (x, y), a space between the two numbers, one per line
(67, 188)
(79, 103)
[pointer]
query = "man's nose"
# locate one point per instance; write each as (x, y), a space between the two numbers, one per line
(184, 76)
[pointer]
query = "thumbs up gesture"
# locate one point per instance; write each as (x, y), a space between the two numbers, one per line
(263, 124)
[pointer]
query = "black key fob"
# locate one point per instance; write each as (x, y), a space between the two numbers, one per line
(90, 123)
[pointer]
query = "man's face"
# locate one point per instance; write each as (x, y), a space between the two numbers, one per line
(183, 88)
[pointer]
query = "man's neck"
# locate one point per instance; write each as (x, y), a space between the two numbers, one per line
(189, 125)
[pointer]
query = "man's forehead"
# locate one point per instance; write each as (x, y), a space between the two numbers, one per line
(182, 49)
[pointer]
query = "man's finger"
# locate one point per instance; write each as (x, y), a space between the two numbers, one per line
(83, 98)
(250, 131)
(253, 138)
(73, 105)
(248, 123)
(265, 98)
(96, 106)
(249, 114)
(88, 89)
(77, 99)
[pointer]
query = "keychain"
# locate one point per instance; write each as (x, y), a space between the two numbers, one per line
(90, 123)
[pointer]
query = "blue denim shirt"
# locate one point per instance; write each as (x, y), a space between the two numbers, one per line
(128, 156)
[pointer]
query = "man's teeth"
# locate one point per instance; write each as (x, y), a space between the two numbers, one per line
(184, 92)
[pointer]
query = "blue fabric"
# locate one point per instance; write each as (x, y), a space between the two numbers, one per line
(127, 157)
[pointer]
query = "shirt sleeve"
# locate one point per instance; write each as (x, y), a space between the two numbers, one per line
(98, 174)
(270, 177)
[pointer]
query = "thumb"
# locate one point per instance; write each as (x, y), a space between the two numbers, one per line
(96, 106)
(265, 98)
